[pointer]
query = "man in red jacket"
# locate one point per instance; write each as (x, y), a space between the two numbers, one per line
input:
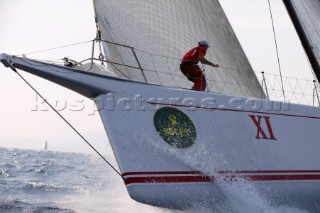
(189, 65)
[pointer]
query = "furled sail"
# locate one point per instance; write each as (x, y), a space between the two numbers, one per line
(305, 15)
(161, 32)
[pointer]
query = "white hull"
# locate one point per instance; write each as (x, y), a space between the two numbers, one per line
(284, 166)
(275, 147)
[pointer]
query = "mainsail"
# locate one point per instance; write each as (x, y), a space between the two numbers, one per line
(162, 31)
(305, 15)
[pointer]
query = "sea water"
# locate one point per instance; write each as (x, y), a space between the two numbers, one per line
(45, 181)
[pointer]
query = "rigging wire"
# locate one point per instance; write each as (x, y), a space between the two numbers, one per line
(72, 127)
(60, 47)
(277, 50)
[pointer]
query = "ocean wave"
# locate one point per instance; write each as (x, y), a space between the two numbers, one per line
(8, 165)
(5, 172)
(17, 206)
(41, 170)
(53, 188)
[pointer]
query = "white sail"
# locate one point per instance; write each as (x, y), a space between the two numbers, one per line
(306, 18)
(168, 29)
(45, 146)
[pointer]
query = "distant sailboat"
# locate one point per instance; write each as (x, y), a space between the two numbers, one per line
(173, 145)
(45, 146)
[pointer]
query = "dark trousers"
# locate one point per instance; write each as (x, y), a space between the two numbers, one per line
(193, 72)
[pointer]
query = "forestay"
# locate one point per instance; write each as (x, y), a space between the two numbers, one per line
(163, 31)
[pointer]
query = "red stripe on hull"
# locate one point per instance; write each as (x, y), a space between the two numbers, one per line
(220, 172)
(196, 177)
(268, 171)
(281, 177)
(169, 179)
(162, 173)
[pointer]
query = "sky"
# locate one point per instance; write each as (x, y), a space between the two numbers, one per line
(32, 25)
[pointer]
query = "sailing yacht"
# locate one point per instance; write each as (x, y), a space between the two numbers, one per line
(45, 146)
(174, 146)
